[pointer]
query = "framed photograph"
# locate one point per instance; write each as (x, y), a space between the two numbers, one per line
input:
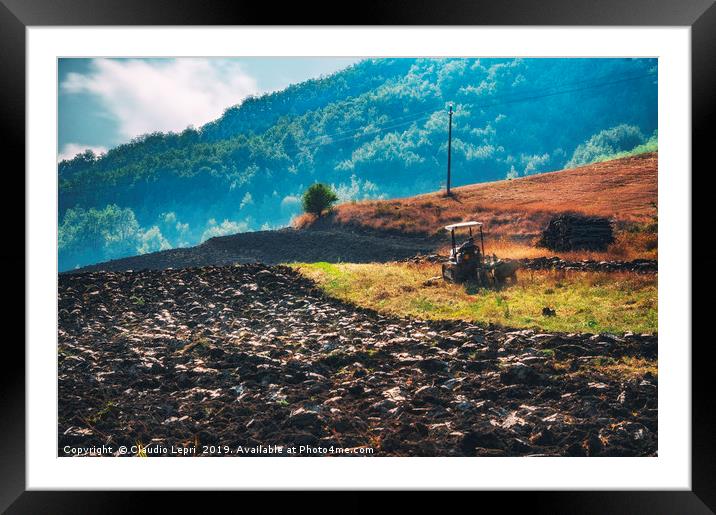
(446, 248)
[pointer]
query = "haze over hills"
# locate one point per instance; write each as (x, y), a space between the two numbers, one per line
(377, 129)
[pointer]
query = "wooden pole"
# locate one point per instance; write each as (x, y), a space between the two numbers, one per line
(449, 151)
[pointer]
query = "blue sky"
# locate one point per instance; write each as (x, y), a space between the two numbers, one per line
(105, 102)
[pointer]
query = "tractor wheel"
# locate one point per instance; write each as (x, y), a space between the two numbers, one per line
(449, 272)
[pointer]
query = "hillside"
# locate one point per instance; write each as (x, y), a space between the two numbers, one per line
(514, 212)
(622, 189)
(280, 246)
(377, 129)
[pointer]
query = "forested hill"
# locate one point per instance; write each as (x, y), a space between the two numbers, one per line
(377, 129)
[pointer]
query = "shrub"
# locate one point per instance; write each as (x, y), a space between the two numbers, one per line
(317, 198)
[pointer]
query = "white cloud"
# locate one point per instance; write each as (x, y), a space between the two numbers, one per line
(163, 95)
(70, 150)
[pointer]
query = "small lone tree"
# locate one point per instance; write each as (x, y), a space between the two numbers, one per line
(317, 198)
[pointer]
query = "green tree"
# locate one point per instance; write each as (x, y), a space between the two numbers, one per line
(317, 198)
(94, 235)
(607, 144)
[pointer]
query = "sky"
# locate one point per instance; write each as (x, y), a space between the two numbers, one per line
(105, 102)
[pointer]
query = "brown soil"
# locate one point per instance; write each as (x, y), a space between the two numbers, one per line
(641, 266)
(255, 355)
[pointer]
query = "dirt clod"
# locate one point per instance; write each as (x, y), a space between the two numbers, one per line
(216, 356)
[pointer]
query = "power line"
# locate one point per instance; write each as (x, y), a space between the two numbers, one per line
(594, 86)
(508, 98)
(368, 133)
(411, 115)
(354, 101)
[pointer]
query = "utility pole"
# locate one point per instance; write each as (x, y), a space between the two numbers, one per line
(449, 150)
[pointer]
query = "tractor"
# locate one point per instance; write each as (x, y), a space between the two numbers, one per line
(467, 261)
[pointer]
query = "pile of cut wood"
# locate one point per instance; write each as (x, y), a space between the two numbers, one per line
(577, 232)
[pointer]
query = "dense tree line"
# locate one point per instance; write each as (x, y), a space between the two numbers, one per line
(376, 129)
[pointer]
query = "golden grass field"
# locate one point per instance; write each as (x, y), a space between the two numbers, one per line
(514, 213)
(589, 302)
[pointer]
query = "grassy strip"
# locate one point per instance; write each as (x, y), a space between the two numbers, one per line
(584, 301)
(651, 145)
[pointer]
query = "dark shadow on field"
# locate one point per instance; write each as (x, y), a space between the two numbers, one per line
(281, 246)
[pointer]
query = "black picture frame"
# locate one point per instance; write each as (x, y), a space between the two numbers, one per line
(17, 15)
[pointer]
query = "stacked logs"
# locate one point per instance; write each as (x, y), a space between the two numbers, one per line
(568, 231)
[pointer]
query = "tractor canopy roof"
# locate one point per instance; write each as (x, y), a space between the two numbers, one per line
(452, 227)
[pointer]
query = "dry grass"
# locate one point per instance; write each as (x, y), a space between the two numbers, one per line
(584, 301)
(610, 369)
(303, 220)
(624, 368)
(516, 211)
(628, 245)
